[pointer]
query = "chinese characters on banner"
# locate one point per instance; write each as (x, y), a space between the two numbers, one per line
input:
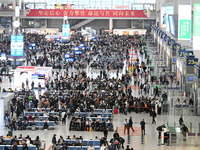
(85, 13)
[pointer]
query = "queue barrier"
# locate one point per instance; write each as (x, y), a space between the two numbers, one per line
(19, 147)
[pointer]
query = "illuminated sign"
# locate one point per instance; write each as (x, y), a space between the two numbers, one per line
(191, 61)
(66, 30)
(17, 45)
(196, 27)
(184, 22)
(169, 10)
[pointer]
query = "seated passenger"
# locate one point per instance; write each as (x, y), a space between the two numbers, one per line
(46, 125)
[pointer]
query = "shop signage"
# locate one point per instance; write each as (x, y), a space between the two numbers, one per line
(85, 13)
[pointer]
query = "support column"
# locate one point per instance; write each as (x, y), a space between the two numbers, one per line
(110, 24)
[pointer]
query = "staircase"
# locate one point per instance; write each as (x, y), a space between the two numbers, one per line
(82, 23)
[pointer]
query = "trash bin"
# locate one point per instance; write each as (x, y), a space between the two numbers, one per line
(33, 127)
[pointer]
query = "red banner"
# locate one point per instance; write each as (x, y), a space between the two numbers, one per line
(85, 13)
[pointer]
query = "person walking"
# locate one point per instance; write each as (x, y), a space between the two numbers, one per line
(131, 124)
(126, 126)
(54, 141)
(63, 116)
(181, 120)
(153, 114)
(32, 85)
(142, 124)
(105, 132)
(156, 92)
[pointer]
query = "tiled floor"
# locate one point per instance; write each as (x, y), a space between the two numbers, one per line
(135, 139)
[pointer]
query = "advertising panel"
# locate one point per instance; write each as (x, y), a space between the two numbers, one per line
(196, 26)
(162, 17)
(66, 31)
(31, 74)
(17, 45)
(169, 11)
(184, 22)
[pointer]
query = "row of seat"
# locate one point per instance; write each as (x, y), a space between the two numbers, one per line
(40, 113)
(181, 106)
(95, 110)
(43, 118)
(9, 140)
(87, 114)
(85, 142)
(40, 123)
(19, 147)
(82, 148)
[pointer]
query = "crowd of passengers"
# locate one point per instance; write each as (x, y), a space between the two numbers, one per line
(53, 53)
(105, 94)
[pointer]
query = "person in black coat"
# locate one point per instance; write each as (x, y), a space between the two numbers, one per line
(142, 123)
(131, 124)
(105, 132)
(153, 114)
(116, 135)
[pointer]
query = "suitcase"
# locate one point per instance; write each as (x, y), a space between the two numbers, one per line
(116, 111)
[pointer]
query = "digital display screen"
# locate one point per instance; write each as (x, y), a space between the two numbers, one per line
(31, 44)
(190, 78)
(69, 59)
(18, 63)
(95, 39)
(79, 52)
(38, 78)
(174, 59)
(75, 48)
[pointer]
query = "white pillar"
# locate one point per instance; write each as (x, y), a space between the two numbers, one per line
(110, 24)
(1, 112)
